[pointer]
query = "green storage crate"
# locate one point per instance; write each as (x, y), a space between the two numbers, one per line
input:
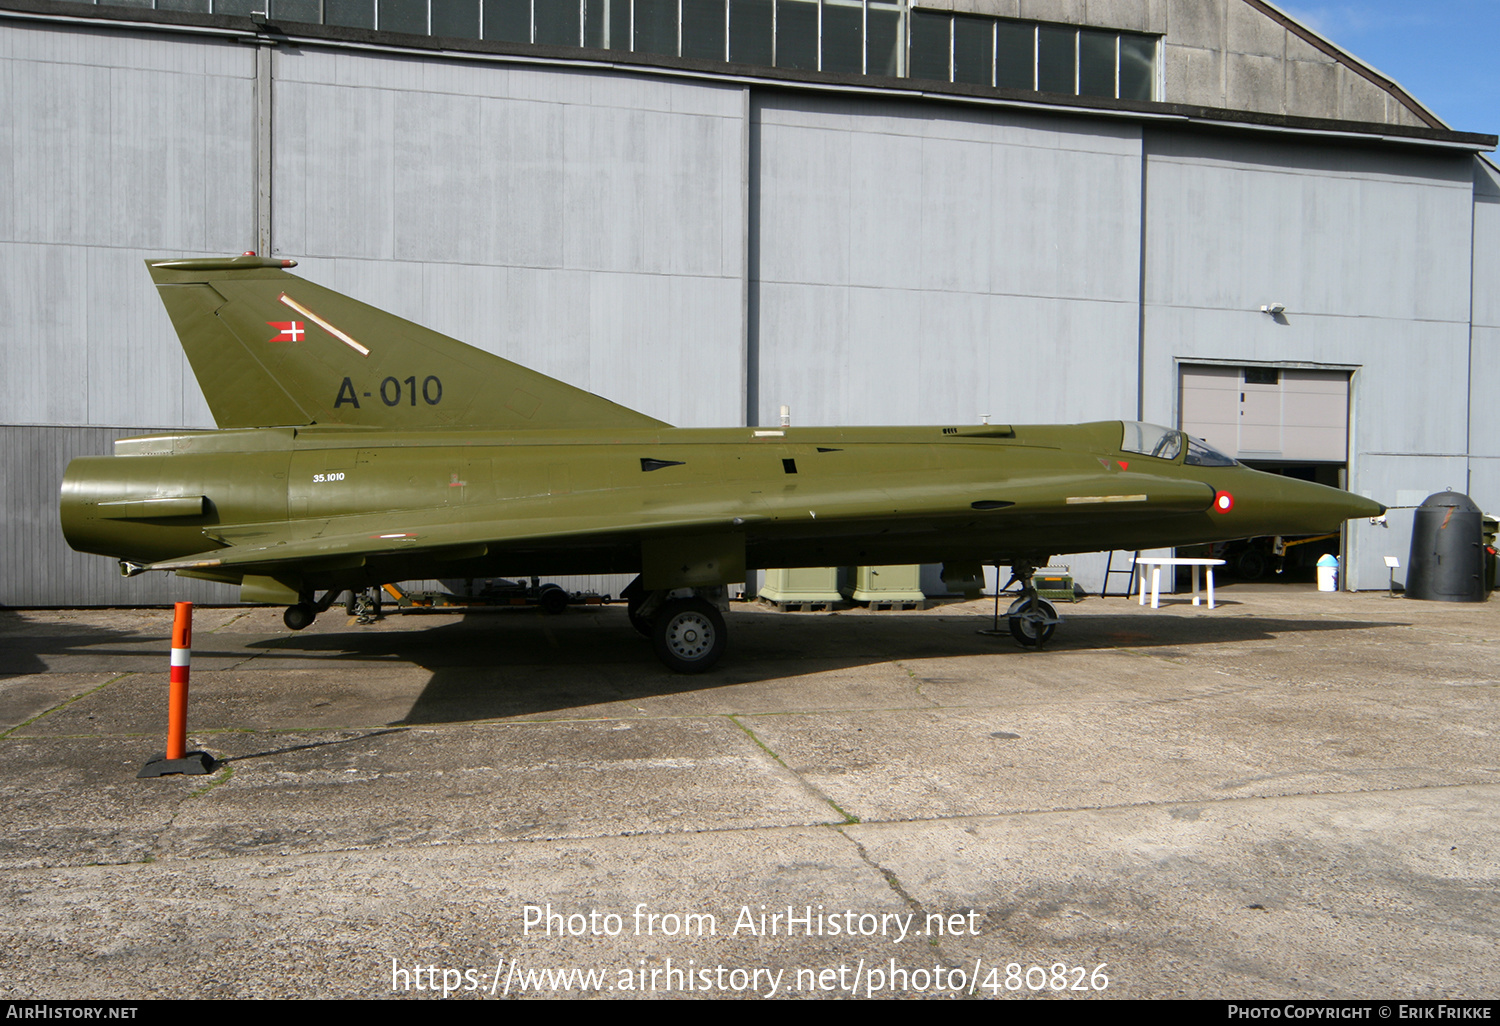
(1055, 583)
(879, 585)
(802, 586)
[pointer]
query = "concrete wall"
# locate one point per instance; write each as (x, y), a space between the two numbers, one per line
(1230, 54)
(1234, 54)
(1369, 252)
(917, 269)
(585, 224)
(1484, 358)
(114, 147)
(558, 218)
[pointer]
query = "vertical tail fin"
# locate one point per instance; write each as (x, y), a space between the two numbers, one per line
(269, 348)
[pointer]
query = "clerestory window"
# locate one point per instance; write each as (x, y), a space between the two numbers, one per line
(888, 38)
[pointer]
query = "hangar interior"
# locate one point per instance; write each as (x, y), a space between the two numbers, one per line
(1190, 212)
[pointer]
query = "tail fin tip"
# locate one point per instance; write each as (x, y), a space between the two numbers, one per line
(238, 263)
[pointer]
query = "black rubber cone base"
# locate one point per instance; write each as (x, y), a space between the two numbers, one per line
(192, 764)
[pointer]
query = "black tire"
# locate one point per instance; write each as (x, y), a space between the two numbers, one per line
(299, 616)
(1250, 565)
(552, 599)
(1024, 625)
(635, 597)
(640, 623)
(689, 635)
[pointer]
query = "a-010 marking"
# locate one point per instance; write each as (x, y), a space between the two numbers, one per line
(391, 391)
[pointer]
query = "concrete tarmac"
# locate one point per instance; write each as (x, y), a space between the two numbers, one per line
(1292, 796)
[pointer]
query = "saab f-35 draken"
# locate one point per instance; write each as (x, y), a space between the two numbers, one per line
(356, 448)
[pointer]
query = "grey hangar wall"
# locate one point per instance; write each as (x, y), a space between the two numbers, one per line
(706, 248)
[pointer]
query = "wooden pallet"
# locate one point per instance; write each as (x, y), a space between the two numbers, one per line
(798, 607)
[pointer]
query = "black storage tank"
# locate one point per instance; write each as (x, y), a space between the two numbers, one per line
(1447, 550)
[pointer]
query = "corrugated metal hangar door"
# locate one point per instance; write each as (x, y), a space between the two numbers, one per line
(1286, 420)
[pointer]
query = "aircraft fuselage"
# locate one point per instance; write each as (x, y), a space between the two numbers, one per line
(566, 502)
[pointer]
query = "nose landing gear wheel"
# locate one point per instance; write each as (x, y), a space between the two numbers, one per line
(689, 635)
(1032, 621)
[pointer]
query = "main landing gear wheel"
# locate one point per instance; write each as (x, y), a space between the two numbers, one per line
(1250, 564)
(635, 596)
(299, 616)
(689, 635)
(1032, 621)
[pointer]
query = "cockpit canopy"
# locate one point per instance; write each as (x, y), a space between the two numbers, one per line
(1165, 443)
(1151, 440)
(1201, 454)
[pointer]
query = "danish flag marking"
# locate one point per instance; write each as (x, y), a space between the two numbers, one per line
(291, 331)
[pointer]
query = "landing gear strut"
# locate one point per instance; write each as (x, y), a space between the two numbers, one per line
(305, 612)
(635, 597)
(364, 606)
(1031, 618)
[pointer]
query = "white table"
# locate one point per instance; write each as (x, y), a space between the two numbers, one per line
(1157, 562)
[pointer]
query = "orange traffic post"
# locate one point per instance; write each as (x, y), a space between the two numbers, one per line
(177, 759)
(182, 662)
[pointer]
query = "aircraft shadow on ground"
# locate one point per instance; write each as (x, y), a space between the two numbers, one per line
(25, 642)
(495, 667)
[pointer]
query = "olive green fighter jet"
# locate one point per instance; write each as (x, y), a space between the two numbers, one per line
(356, 448)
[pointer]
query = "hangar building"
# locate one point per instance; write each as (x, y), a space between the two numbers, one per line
(1191, 212)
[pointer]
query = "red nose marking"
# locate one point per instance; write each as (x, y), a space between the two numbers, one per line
(1223, 502)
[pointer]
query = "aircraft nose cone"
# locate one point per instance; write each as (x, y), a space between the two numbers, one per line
(1301, 507)
(1254, 504)
(1347, 505)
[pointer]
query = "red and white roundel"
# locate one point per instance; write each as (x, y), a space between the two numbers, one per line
(1223, 502)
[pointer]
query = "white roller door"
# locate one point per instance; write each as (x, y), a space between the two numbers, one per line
(1268, 413)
